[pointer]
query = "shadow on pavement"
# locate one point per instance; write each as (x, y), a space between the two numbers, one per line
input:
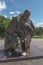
(2, 54)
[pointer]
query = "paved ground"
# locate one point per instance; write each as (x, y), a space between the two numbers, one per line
(36, 49)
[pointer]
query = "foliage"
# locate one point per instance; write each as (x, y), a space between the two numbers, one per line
(39, 31)
(3, 24)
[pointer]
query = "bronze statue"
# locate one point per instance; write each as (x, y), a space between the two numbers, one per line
(20, 26)
(27, 30)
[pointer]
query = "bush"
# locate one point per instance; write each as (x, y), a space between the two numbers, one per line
(3, 24)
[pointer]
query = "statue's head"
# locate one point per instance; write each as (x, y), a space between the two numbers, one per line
(26, 14)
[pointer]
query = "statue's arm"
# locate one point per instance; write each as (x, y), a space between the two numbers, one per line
(32, 25)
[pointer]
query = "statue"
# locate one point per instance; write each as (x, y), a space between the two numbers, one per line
(27, 29)
(20, 26)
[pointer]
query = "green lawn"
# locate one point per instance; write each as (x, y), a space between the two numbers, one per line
(38, 36)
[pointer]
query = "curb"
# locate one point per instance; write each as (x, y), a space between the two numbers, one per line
(19, 59)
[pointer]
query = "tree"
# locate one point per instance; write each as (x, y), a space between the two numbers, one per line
(39, 31)
(3, 24)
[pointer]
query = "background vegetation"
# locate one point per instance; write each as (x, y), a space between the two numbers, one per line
(3, 24)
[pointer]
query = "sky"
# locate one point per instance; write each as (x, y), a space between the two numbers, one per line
(9, 8)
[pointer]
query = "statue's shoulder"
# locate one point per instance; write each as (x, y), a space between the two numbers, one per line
(19, 17)
(29, 20)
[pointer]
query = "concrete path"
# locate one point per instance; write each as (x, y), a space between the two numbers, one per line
(36, 49)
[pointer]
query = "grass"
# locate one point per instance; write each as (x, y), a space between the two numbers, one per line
(37, 36)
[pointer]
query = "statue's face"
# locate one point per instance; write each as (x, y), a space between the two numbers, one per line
(26, 15)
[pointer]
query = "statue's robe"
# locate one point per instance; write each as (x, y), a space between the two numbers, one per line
(11, 40)
(27, 28)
